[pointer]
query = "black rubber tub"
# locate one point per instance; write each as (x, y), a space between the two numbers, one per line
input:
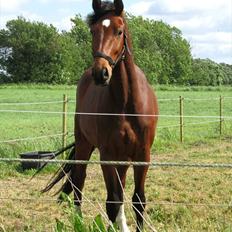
(35, 155)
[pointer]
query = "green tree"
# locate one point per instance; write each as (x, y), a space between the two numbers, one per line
(80, 33)
(227, 73)
(207, 72)
(146, 51)
(35, 52)
(160, 50)
(70, 60)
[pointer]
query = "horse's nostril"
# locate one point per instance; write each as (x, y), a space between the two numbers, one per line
(105, 74)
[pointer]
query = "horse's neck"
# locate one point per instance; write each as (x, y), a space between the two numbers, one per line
(125, 87)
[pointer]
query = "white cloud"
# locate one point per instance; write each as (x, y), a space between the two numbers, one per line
(6, 18)
(217, 52)
(177, 6)
(217, 37)
(217, 46)
(31, 16)
(27, 15)
(183, 6)
(44, 1)
(7, 6)
(207, 24)
(188, 15)
(60, 1)
(11, 9)
(140, 8)
(72, 0)
(63, 24)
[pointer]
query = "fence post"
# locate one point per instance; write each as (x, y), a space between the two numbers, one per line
(221, 114)
(181, 119)
(64, 124)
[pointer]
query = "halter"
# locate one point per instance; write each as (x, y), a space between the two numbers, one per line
(121, 56)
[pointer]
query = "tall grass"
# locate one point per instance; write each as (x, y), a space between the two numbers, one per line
(78, 224)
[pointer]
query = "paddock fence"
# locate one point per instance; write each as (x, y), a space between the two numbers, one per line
(220, 118)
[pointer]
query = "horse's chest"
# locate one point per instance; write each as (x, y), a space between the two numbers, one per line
(127, 134)
(116, 137)
(124, 140)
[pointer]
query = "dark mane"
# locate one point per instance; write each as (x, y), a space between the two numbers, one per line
(106, 7)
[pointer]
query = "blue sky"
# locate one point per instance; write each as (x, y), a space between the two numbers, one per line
(206, 24)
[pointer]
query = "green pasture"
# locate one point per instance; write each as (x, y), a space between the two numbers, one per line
(199, 102)
(180, 199)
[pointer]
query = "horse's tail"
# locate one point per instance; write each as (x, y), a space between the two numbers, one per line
(62, 172)
(55, 154)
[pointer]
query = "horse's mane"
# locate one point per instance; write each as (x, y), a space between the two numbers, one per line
(106, 7)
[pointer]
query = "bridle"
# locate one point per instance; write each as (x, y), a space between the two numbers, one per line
(120, 57)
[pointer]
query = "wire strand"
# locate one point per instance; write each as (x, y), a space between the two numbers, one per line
(29, 103)
(31, 138)
(114, 114)
(121, 163)
(221, 205)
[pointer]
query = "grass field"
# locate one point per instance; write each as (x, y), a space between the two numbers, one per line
(181, 199)
(23, 125)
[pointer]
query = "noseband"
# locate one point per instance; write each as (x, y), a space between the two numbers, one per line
(121, 56)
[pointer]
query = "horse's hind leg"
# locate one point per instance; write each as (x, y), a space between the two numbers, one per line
(75, 182)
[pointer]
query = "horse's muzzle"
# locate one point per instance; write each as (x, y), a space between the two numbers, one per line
(101, 76)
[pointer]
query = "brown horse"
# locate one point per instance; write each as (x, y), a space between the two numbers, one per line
(113, 85)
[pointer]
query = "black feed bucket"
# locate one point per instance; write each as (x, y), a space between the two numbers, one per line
(35, 155)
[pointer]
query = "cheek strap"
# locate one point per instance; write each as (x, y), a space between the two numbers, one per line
(121, 56)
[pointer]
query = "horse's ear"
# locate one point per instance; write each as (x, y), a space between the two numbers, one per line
(96, 5)
(118, 6)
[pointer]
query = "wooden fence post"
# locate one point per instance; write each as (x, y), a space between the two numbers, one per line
(221, 114)
(64, 124)
(181, 119)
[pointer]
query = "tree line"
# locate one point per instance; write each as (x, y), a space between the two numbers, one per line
(38, 53)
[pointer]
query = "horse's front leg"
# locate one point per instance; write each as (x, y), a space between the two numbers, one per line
(139, 199)
(121, 218)
(115, 182)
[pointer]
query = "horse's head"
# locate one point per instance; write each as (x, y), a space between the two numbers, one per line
(108, 39)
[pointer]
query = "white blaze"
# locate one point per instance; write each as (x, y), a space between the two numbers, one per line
(106, 22)
(121, 220)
